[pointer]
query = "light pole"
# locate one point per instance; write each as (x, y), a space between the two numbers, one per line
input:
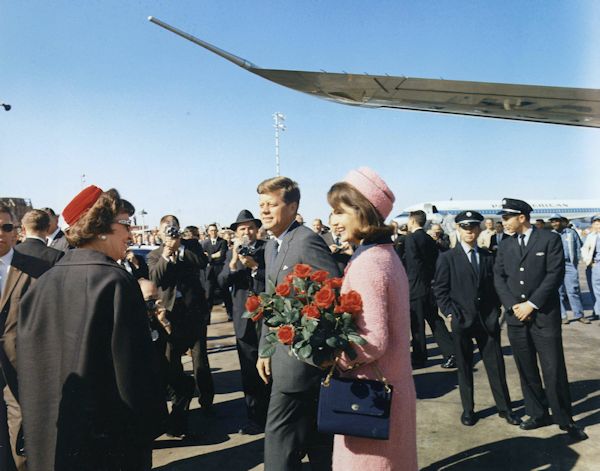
(143, 213)
(279, 126)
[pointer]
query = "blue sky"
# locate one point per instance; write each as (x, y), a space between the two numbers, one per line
(98, 90)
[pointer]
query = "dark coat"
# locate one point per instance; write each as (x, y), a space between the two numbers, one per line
(534, 277)
(300, 245)
(89, 383)
(421, 255)
(22, 275)
(216, 264)
(137, 273)
(466, 295)
(183, 276)
(341, 259)
(47, 256)
(243, 283)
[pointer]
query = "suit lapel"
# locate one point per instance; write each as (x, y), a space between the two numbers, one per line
(530, 243)
(463, 259)
(14, 274)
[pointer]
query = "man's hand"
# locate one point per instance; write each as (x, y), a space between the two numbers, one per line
(171, 245)
(263, 365)
(522, 311)
(248, 261)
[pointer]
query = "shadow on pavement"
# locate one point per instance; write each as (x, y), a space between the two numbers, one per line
(438, 384)
(238, 458)
(516, 454)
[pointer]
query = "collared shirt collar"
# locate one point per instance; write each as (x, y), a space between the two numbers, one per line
(467, 248)
(279, 239)
(7, 258)
(53, 235)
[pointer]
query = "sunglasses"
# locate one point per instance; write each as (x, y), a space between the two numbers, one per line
(150, 304)
(8, 227)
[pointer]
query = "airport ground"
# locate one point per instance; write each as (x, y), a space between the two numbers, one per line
(443, 442)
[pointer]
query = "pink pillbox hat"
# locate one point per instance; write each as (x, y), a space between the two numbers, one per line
(372, 187)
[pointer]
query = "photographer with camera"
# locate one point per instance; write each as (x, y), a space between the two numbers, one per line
(244, 271)
(175, 268)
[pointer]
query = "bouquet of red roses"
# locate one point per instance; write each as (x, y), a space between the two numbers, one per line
(308, 313)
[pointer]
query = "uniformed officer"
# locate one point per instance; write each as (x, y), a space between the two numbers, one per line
(464, 290)
(569, 291)
(528, 272)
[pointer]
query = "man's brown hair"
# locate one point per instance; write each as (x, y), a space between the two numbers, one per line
(372, 225)
(36, 220)
(4, 208)
(291, 191)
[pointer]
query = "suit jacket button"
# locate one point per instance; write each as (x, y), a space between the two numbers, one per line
(523, 296)
(522, 282)
(521, 269)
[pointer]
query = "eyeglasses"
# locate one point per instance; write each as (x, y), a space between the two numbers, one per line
(151, 304)
(123, 222)
(8, 227)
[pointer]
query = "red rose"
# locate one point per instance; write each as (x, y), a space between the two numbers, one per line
(289, 278)
(258, 316)
(350, 302)
(283, 289)
(252, 303)
(319, 276)
(336, 282)
(285, 334)
(311, 311)
(302, 270)
(324, 297)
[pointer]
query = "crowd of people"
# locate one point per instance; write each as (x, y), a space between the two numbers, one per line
(93, 333)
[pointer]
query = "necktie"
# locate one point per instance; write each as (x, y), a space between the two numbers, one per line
(337, 241)
(473, 257)
(522, 243)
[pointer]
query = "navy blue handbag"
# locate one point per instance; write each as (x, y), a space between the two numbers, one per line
(355, 407)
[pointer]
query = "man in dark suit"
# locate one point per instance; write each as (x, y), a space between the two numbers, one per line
(35, 224)
(19, 268)
(342, 251)
(498, 237)
(291, 430)
(215, 248)
(56, 237)
(421, 255)
(244, 272)
(175, 268)
(528, 273)
(464, 291)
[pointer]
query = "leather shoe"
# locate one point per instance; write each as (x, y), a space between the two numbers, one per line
(583, 320)
(468, 418)
(510, 418)
(251, 429)
(574, 432)
(449, 362)
(532, 424)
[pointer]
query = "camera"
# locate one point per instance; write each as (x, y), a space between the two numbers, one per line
(246, 250)
(173, 232)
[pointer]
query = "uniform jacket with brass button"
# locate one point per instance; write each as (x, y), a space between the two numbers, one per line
(534, 276)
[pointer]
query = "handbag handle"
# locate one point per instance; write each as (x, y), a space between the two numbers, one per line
(327, 381)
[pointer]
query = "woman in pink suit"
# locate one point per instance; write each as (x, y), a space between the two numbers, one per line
(360, 205)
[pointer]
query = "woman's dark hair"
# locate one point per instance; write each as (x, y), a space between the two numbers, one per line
(372, 225)
(99, 218)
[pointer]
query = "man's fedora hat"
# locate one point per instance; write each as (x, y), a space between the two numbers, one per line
(245, 216)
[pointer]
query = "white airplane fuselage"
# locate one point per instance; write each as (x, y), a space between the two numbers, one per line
(542, 209)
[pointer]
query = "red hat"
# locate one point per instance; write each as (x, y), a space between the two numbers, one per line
(81, 204)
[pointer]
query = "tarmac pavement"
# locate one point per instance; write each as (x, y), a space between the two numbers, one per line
(443, 442)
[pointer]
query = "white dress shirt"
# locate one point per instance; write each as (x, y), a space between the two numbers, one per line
(5, 262)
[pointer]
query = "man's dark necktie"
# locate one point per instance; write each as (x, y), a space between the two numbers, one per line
(337, 241)
(473, 257)
(522, 243)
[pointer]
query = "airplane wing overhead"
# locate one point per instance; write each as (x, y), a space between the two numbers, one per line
(555, 105)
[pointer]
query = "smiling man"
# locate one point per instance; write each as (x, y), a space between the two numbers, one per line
(291, 430)
(528, 272)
